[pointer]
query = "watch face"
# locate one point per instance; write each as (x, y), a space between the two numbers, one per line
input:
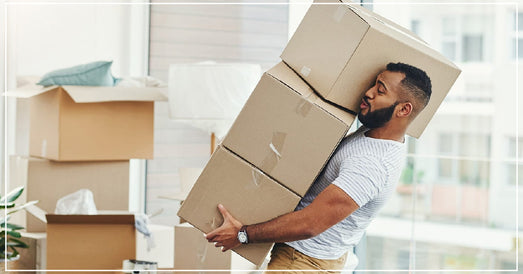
(242, 237)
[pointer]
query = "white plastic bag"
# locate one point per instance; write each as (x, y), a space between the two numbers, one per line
(79, 202)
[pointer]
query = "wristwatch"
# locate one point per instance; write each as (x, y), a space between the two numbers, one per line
(242, 235)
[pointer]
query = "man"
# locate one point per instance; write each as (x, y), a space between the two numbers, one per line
(357, 181)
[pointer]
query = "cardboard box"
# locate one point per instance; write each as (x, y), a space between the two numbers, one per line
(339, 50)
(75, 123)
(163, 250)
(248, 194)
(34, 257)
(47, 181)
(286, 130)
(95, 242)
(192, 251)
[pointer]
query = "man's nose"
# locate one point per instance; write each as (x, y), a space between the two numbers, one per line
(370, 92)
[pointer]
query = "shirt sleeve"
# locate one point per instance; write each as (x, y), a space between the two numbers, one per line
(361, 178)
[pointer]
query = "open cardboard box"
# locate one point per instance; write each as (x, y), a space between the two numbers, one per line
(77, 242)
(340, 47)
(75, 123)
(47, 181)
(91, 242)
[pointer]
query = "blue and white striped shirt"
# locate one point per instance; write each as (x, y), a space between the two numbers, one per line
(367, 169)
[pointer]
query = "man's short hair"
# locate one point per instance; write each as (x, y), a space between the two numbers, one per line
(416, 83)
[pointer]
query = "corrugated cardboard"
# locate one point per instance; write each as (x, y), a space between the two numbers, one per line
(92, 242)
(163, 250)
(339, 50)
(286, 130)
(248, 194)
(75, 123)
(192, 251)
(47, 181)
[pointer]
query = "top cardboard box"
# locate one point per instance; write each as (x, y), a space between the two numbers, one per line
(340, 47)
(76, 123)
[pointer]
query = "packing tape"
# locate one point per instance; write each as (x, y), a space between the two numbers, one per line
(201, 253)
(274, 152)
(256, 178)
(213, 224)
(304, 106)
(44, 148)
(339, 13)
(305, 71)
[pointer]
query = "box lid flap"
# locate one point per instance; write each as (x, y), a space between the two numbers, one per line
(27, 91)
(86, 94)
(90, 94)
(90, 219)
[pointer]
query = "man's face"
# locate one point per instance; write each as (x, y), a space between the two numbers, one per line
(379, 102)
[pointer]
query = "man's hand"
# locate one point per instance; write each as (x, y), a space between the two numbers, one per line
(225, 236)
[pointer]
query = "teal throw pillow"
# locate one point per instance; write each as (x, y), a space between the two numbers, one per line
(91, 74)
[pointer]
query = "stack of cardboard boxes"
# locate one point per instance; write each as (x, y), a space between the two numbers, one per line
(83, 138)
(300, 111)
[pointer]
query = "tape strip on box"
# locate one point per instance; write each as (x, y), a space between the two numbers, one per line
(305, 71)
(274, 153)
(340, 13)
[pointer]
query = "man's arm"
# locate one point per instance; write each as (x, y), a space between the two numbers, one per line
(330, 207)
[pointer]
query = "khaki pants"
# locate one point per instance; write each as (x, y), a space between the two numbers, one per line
(286, 258)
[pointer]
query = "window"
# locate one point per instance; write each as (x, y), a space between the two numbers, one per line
(449, 37)
(463, 38)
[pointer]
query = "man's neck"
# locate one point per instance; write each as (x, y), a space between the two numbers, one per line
(387, 133)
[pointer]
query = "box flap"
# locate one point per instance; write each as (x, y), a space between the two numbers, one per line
(90, 94)
(90, 219)
(85, 94)
(27, 91)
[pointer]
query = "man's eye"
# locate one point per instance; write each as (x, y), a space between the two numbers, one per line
(381, 91)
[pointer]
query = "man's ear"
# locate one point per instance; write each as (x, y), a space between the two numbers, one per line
(405, 109)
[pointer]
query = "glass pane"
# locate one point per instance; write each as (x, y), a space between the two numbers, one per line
(512, 149)
(445, 143)
(474, 145)
(510, 173)
(449, 26)
(449, 50)
(472, 48)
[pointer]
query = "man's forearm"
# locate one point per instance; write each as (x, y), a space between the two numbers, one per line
(292, 226)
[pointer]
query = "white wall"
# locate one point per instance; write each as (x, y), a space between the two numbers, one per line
(43, 37)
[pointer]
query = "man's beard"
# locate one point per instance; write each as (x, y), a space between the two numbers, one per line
(377, 118)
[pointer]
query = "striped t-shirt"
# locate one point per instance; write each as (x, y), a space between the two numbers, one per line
(367, 169)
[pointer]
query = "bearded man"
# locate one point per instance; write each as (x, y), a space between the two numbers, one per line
(356, 182)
